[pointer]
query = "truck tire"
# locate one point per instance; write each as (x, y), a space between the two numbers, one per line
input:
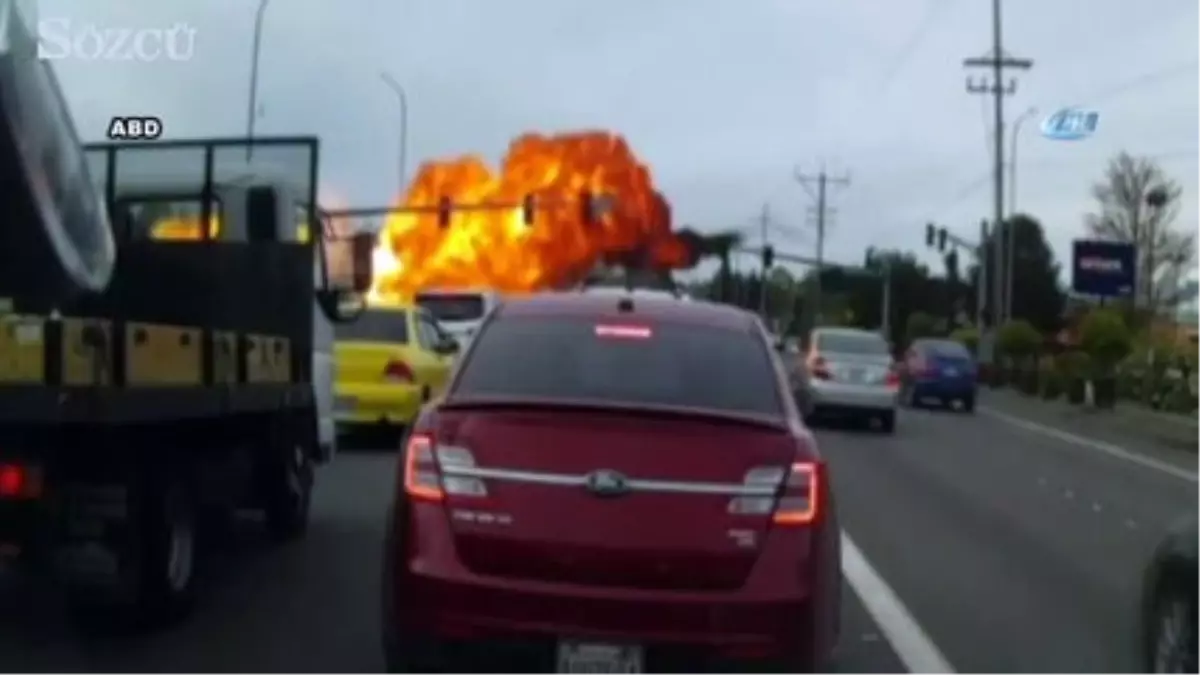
(157, 560)
(289, 492)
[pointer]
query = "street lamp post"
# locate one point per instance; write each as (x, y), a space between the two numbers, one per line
(1011, 230)
(402, 97)
(251, 112)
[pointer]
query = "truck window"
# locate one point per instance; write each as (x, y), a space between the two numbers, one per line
(168, 218)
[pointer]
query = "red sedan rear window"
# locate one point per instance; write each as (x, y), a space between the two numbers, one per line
(627, 363)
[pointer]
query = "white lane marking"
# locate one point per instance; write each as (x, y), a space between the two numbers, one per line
(907, 638)
(1093, 444)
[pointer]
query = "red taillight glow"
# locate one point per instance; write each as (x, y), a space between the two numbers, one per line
(794, 500)
(797, 504)
(628, 332)
(19, 482)
(421, 478)
(398, 370)
(430, 471)
(819, 368)
(893, 378)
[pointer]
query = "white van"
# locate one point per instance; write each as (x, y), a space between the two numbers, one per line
(460, 311)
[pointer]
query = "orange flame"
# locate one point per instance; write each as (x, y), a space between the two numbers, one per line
(494, 248)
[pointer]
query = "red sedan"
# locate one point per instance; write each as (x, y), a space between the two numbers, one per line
(612, 484)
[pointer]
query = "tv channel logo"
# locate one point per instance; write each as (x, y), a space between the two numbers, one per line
(1071, 124)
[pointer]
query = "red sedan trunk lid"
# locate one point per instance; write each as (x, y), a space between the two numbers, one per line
(673, 526)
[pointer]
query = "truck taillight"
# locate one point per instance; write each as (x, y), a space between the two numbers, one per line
(429, 470)
(792, 499)
(18, 481)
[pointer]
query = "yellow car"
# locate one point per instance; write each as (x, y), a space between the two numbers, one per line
(388, 363)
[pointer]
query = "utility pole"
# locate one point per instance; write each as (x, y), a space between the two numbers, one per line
(997, 61)
(822, 180)
(764, 221)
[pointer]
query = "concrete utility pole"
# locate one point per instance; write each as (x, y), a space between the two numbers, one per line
(997, 61)
(764, 222)
(822, 180)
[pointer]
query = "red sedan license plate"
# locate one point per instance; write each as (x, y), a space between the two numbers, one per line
(583, 657)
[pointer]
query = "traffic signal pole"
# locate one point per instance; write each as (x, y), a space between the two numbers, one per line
(940, 237)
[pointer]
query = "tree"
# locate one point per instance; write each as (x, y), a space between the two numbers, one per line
(1137, 204)
(913, 289)
(1038, 297)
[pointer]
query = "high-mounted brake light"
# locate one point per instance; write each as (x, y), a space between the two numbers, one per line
(428, 470)
(628, 332)
(20, 482)
(795, 502)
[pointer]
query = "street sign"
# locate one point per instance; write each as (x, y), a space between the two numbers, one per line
(1105, 269)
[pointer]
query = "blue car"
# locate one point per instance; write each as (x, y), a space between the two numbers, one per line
(939, 370)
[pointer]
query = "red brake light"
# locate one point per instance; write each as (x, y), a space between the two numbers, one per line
(893, 377)
(432, 471)
(19, 482)
(797, 503)
(629, 332)
(819, 368)
(398, 370)
(792, 498)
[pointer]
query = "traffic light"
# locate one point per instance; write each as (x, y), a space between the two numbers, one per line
(930, 234)
(444, 210)
(941, 239)
(587, 207)
(768, 256)
(527, 209)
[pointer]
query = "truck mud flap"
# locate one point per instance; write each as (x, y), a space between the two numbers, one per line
(95, 527)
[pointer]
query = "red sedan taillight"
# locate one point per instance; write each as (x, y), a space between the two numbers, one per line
(424, 479)
(795, 501)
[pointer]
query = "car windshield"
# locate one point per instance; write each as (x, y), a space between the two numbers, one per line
(851, 343)
(946, 349)
(376, 326)
(453, 307)
(674, 365)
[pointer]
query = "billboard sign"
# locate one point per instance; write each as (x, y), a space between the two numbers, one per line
(1104, 269)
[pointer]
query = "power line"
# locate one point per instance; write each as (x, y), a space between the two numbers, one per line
(910, 46)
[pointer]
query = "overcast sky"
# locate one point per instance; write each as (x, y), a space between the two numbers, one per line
(722, 99)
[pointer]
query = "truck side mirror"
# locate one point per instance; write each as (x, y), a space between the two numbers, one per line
(348, 275)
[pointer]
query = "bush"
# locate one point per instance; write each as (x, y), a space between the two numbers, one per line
(1106, 339)
(968, 337)
(919, 325)
(1049, 380)
(1074, 368)
(1018, 340)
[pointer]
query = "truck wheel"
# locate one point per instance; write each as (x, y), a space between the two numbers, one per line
(289, 495)
(157, 560)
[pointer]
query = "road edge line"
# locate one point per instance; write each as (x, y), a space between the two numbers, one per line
(912, 645)
(1093, 444)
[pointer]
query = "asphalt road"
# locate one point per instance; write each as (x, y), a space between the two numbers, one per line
(1011, 550)
(1014, 550)
(310, 607)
